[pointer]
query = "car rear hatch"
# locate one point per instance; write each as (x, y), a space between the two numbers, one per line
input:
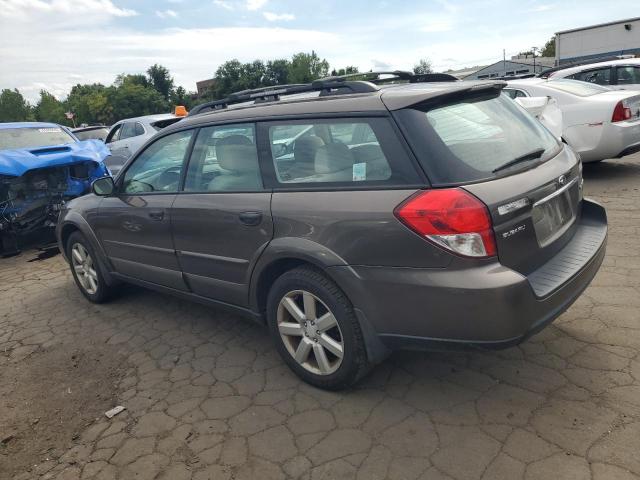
(480, 141)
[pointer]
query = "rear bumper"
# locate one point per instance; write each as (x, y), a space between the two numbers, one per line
(612, 140)
(488, 305)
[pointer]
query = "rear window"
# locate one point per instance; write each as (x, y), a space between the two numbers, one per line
(581, 89)
(12, 138)
(159, 125)
(473, 138)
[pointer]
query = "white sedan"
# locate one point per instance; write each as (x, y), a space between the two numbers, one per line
(597, 122)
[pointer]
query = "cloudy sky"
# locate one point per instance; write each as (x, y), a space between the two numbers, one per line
(54, 44)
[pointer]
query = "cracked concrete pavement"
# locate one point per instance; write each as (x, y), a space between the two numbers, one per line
(207, 396)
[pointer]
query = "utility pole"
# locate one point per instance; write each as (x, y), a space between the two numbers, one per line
(533, 49)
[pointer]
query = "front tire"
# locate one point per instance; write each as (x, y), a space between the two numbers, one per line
(316, 330)
(86, 269)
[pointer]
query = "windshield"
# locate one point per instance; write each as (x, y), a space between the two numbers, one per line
(575, 87)
(473, 138)
(33, 137)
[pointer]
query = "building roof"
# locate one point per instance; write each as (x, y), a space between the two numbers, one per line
(628, 20)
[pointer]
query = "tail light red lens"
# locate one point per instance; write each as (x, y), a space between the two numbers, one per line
(451, 218)
(621, 113)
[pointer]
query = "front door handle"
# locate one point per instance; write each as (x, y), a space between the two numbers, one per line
(156, 215)
(251, 218)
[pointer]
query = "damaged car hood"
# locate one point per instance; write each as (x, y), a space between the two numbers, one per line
(17, 162)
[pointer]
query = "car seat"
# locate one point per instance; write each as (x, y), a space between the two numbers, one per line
(238, 160)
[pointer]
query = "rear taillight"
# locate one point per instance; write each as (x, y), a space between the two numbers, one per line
(621, 113)
(451, 218)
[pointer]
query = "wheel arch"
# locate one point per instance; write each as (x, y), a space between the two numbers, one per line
(74, 222)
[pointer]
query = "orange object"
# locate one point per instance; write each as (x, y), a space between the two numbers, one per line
(180, 111)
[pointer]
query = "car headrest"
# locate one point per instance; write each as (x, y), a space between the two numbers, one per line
(237, 153)
(305, 149)
(333, 157)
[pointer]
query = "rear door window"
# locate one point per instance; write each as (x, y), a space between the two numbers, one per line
(114, 135)
(601, 76)
(224, 159)
(340, 152)
(128, 130)
(473, 138)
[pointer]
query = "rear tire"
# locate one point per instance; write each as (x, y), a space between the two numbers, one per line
(316, 330)
(86, 269)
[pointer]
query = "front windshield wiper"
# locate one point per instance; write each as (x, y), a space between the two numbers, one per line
(537, 153)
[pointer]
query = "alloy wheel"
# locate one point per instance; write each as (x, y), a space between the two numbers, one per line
(83, 266)
(310, 332)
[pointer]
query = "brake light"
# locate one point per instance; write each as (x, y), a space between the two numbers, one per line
(621, 113)
(451, 218)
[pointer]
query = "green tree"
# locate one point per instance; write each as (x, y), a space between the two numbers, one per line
(423, 67)
(344, 71)
(50, 109)
(180, 96)
(252, 75)
(228, 77)
(132, 100)
(78, 102)
(306, 67)
(549, 49)
(277, 72)
(160, 79)
(132, 79)
(13, 106)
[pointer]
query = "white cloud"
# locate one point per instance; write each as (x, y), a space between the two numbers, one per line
(25, 8)
(28, 57)
(223, 4)
(167, 13)
(541, 8)
(274, 17)
(256, 4)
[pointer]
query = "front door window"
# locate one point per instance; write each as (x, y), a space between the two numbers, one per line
(158, 169)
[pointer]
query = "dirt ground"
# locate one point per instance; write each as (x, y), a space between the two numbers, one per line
(207, 396)
(50, 397)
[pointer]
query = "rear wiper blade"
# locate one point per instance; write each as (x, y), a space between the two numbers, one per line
(522, 158)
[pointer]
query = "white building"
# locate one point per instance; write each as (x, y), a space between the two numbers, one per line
(607, 39)
(518, 65)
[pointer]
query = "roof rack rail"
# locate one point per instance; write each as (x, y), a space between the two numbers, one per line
(334, 85)
(326, 86)
(548, 71)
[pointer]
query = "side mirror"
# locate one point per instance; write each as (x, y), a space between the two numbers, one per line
(103, 186)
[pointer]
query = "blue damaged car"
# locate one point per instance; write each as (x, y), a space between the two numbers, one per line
(42, 165)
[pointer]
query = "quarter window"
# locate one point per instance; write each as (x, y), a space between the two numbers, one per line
(224, 159)
(346, 152)
(138, 129)
(628, 75)
(159, 167)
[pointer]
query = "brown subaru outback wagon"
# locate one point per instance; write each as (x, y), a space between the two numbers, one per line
(352, 217)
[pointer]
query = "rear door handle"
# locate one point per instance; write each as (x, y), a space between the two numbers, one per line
(251, 218)
(156, 215)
